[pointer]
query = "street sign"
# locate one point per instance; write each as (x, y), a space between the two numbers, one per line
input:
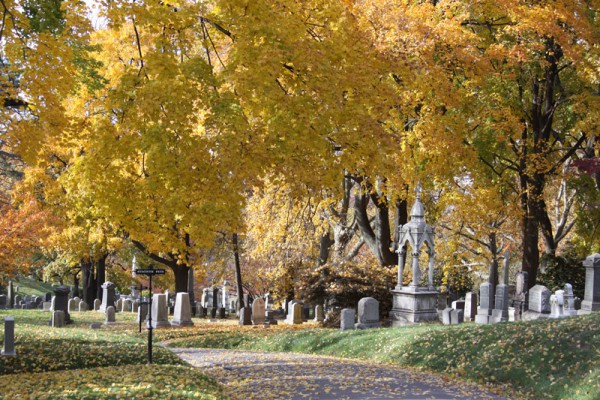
(150, 271)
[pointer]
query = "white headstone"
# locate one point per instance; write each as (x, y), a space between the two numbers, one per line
(160, 311)
(295, 314)
(539, 299)
(46, 306)
(182, 315)
(73, 305)
(319, 313)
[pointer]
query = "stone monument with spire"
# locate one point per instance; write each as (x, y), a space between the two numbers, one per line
(415, 302)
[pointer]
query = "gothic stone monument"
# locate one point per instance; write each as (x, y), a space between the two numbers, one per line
(414, 303)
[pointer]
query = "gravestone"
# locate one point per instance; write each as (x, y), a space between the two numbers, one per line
(160, 311)
(61, 300)
(446, 316)
(521, 299)
(48, 296)
(182, 316)
(258, 311)
(18, 300)
(346, 319)
(119, 304)
(539, 299)
(569, 308)
(221, 313)
(127, 305)
(142, 313)
(73, 305)
(108, 296)
(368, 313)
(245, 316)
(456, 317)
(83, 306)
(295, 315)
(110, 315)
(58, 319)
(458, 304)
(77, 299)
(97, 304)
(470, 306)
(486, 304)
(200, 311)
(135, 305)
(9, 337)
(10, 295)
(47, 306)
(591, 298)
(319, 313)
(3, 301)
(500, 311)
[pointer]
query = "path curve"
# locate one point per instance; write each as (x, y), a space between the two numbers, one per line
(262, 375)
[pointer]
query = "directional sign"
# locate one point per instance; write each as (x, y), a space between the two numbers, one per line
(150, 271)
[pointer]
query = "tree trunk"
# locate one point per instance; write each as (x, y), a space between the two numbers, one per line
(181, 273)
(100, 275)
(238, 272)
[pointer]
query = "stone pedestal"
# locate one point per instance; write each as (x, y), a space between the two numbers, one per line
(61, 301)
(108, 296)
(159, 311)
(500, 311)
(591, 299)
(486, 304)
(413, 305)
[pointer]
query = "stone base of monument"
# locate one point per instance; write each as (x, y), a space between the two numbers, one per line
(412, 305)
(587, 307)
(498, 316)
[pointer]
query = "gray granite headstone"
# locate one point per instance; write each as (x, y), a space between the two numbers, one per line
(3, 301)
(97, 304)
(9, 337)
(110, 315)
(368, 313)
(470, 306)
(591, 299)
(83, 306)
(346, 319)
(486, 304)
(46, 306)
(500, 311)
(569, 308)
(142, 313)
(58, 319)
(456, 316)
(446, 316)
(295, 313)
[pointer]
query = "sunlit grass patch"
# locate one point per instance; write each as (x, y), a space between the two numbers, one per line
(123, 382)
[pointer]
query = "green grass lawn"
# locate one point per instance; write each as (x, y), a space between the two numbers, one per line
(544, 359)
(78, 362)
(32, 287)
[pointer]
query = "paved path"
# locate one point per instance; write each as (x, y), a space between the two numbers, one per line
(256, 375)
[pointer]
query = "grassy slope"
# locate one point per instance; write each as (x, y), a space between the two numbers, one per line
(76, 362)
(32, 287)
(556, 359)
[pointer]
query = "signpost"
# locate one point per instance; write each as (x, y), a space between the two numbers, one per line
(150, 272)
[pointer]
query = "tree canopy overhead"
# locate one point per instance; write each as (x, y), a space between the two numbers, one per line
(164, 125)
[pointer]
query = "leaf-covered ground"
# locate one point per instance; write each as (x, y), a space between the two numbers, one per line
(78, 362)
(553, 359)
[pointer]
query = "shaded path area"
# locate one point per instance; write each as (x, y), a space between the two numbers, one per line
(258, 375)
